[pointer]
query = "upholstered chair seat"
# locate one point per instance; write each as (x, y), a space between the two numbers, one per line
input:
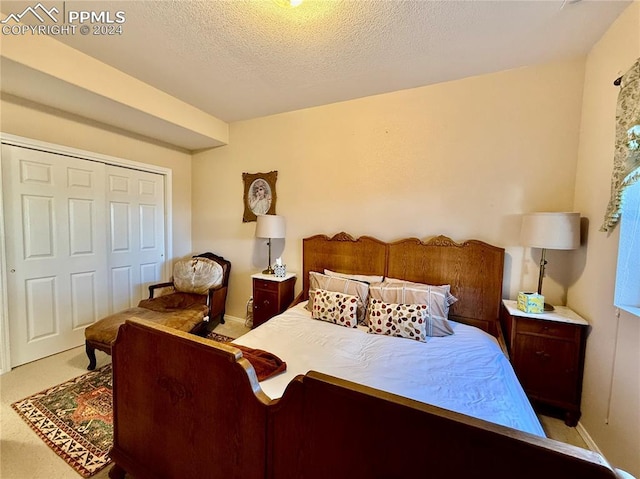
(196, 299)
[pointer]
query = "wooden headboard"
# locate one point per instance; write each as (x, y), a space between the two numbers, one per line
(473, 268)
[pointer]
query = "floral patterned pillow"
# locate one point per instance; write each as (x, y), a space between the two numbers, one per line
(334, 307)
(340, 285)
(437, 298)
(400, 320)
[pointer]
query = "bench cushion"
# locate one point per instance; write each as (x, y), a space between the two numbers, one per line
(104, 331)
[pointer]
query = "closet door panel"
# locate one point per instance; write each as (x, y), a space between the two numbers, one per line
(54, 208)
(137, 228)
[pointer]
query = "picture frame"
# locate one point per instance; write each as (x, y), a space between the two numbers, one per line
(259, 195)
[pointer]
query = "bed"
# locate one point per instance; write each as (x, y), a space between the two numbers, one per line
(466, 372)
(446, 407)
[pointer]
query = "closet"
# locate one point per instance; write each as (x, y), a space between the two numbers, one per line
(83, 238)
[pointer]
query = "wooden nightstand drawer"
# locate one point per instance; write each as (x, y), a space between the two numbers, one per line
(547, 328)
(265, 285)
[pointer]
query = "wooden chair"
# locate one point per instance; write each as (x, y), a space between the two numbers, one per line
(196, 303)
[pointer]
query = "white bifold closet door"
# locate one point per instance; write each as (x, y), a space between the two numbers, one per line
(136, 234)
(83, 240)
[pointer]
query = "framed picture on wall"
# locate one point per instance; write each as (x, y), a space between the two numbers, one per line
(259, 194)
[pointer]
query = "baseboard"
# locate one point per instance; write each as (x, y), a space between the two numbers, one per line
(591, 444)
(234, 319)
(586, 437)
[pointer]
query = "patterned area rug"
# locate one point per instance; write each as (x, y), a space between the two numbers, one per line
(75, 418)
(219, 337)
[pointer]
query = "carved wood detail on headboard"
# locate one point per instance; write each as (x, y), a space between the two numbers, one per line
(343, 253)
(474, 269)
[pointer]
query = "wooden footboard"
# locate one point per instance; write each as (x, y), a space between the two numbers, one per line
(329, 428)
(186, 407)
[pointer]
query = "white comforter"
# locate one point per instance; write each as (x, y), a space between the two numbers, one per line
(465, 372)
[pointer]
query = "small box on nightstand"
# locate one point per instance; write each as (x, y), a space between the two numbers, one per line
(531, 302)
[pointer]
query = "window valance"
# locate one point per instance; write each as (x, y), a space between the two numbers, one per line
(626, 159)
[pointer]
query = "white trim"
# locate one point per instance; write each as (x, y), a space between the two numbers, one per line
(630, 309)
(77, 153)
(234, 319)
(85, 155)
(5, 364)
(586, 437)
(168, 223)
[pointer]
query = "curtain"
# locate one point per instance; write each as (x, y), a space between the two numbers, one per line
(626, 159)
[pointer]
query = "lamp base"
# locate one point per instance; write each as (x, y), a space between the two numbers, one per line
(270, 270)
(549, 307)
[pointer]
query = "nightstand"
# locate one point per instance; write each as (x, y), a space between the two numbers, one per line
(271, 295)
(547, 353)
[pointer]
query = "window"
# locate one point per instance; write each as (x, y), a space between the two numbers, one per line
(624, 205)
(627, 293)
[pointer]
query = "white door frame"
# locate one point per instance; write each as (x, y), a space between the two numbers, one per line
(5, 363)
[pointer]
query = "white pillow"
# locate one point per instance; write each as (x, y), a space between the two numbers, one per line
(356, 277)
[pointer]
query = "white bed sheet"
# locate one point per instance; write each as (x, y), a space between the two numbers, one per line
(466, 372)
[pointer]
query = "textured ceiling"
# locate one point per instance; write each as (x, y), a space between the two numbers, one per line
(240, 59)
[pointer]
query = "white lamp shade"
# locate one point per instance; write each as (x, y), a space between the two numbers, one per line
(551, 230)
(270, 226)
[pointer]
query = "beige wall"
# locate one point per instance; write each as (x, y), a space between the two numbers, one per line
(26, 119)
(611, 392)
(462, 158)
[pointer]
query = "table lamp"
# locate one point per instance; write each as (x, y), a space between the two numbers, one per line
(550, 231)
(270, 226)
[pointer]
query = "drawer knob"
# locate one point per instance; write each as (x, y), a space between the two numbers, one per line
(543, 355)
